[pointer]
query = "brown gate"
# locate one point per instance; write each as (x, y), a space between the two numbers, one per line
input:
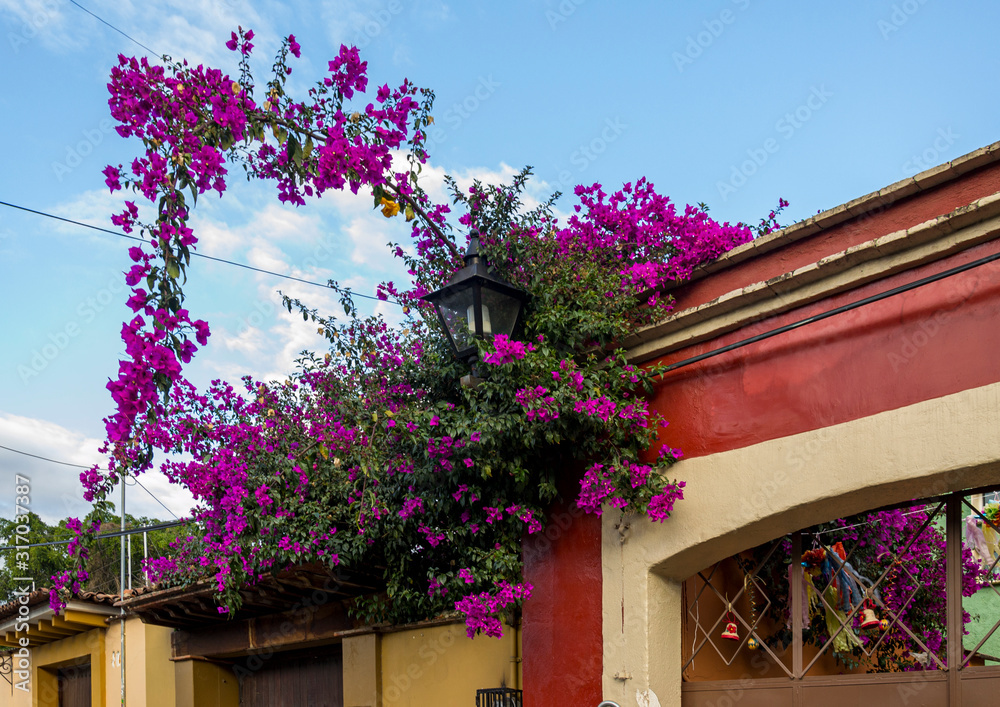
(74, 686)
(315, 679)
(896, 606)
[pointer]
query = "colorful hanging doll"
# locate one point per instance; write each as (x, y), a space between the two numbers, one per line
(976, 540)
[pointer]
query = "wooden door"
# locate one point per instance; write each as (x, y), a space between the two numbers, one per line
(314, 679)
(74, 686)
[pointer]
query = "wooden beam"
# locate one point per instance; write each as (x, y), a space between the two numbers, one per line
(35, 634)
(47, 626)
(61, 623)
(85, 619)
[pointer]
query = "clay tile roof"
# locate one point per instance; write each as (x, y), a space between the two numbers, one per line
(41, 596)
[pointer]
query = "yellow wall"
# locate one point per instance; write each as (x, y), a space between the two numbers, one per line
(149, 676)
(439, 665)
(203, 684)
(160, 687)
(47, 659)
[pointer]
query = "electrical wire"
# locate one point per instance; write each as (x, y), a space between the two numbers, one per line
(830, 313)
(136, 481)
(46, 459)
(102, 536)
(82, 466)
(101, 19)
(201, 255)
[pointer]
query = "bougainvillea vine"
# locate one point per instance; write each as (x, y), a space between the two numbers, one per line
(371, 456)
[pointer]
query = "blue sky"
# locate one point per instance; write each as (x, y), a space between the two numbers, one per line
(731, 102)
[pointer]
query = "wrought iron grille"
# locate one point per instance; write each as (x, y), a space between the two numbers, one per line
(882, 596)
(499, 697)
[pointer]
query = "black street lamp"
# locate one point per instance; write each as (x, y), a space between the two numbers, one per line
(476, 304)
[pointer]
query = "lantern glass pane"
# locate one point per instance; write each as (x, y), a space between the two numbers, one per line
(503, 310)
(454, 309)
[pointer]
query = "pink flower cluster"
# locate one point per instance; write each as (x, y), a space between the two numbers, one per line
(482, 610)
(662, 504)
(537, 403)
(506, 350)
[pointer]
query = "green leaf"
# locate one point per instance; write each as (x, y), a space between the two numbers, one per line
(294, 150)
(173, 269)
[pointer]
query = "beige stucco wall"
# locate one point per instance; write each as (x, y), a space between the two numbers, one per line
(440, 665)
(362, 670)
(738, 499)
(149, 673)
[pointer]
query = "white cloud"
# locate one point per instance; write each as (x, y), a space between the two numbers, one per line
(196, 30)
(48, 22)
(56, 491)
(95, 207)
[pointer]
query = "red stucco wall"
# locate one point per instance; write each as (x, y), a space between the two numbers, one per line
(562, 640)
(933, 341)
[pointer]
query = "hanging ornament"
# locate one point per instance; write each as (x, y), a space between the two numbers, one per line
(884, 624)
(748, 588)
(868, 617)
(730, 631)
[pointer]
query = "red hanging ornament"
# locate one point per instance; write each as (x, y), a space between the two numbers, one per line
(868, 617)
(731, 632)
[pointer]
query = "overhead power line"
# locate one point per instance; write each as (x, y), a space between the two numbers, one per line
(101, 19)
(45, 459)
(102, 536)
(196, 254)
(82, 466)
